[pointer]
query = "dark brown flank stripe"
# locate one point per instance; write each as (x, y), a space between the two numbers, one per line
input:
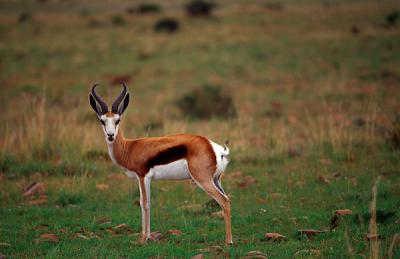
(167, 156)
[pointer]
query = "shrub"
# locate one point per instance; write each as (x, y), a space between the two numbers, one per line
(207, 102)
(394, 135)
(169, 25)
(6, 162)
(199, 8)
(66, 198)
(392, 18)
(94, 23)
(144, 8)
(118, 20)
(25, 17)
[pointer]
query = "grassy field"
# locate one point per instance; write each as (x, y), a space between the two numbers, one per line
(316, 87)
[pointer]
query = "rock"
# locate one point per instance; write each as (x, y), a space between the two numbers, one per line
(274, 237)
(78, 235)
(174, 232)
(102, 220)
(49, 238)
(120, 229)
(121, 226)
(34, 188)
(255, 254)
(323, 179)
(344, 212)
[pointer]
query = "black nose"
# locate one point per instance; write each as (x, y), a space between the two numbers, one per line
(110, 135)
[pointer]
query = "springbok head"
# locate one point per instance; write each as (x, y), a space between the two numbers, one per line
(109, 119)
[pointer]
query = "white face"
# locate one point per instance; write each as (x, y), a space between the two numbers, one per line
(110, 124)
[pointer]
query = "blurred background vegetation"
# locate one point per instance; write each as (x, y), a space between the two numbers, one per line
(310, 86)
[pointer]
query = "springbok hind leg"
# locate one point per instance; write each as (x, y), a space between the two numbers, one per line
(223, 201)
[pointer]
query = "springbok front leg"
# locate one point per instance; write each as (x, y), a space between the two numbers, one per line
(144, 187)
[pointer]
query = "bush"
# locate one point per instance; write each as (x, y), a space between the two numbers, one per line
(394, 134)
(118, 20)
(207, 102)
(392, 18)
(66, 198)
(25, 17)
(6, 162)
(168, 25)
(199, 8)
(144, 8)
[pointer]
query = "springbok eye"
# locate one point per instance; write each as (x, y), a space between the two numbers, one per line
(117, 122)
(102, 122)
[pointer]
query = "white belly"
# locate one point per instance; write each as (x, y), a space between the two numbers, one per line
(177, 170)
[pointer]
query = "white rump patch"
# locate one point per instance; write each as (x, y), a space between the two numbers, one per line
(221, 154)
(177, 170)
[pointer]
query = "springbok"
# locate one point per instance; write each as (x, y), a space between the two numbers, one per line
(175, 157)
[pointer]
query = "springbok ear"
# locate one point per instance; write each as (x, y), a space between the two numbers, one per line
(124, 104)
(95, 105)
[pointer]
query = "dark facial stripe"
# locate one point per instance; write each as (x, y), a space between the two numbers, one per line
(168, 156)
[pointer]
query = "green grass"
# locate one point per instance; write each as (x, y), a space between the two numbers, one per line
(304, 203)
(312, 99)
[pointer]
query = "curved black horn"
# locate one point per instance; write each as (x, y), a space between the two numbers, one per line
(103, 105)
(117, 101)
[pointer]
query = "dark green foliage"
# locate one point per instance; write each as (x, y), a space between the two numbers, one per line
(66, 198)
(199, 8)
(169, 25)
(394, 135)
(207, 102)
(144, 8)
(392, 18)
(6, 162)
(118, 20)
(25, 17)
